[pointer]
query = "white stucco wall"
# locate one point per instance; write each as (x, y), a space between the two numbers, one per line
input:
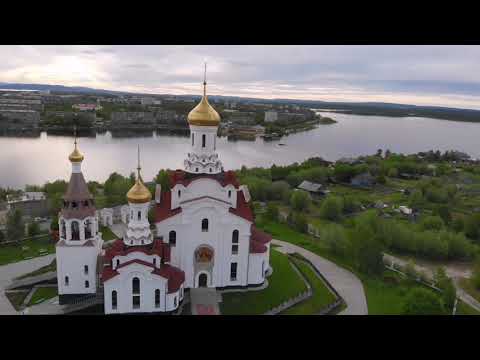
(122, 283)
(70, 262)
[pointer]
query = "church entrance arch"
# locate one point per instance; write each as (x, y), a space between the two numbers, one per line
(203, 263)
(202, 280)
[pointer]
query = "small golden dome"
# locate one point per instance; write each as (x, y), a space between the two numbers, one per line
(76, 156)
(204, 114)
(139, 193)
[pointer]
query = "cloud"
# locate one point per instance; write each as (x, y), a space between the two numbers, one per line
(427, 75)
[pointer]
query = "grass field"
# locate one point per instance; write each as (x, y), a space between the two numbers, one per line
(42, 294)
(17, 298)
(26, 249)
(470, 288)
(321, 296)
(465, 309)
(283, 284)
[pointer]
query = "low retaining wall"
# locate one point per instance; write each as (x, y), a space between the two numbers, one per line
(32, 280)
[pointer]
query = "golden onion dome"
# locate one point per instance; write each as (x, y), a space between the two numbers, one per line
(204, 114)
(139, 193)
(75, 156)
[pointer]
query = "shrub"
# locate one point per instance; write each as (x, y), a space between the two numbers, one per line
(420, 301)
(331, 208)
(432, 223)
(272, 212)
(300, 200)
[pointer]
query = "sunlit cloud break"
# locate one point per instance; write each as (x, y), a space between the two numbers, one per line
(421, 75)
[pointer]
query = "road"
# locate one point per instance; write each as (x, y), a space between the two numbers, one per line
(10, 271)
(347, 284)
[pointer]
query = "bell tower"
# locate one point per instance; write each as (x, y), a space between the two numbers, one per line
(80, 242)
(203, 121)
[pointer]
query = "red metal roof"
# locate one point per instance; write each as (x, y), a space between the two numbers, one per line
(175, 276)
(164, 209)
(158, 247)
(258, 239)
(242, 209)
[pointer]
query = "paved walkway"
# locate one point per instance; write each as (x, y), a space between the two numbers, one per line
(10, 271)
(204, 301)
(345, 283)
(118, 229)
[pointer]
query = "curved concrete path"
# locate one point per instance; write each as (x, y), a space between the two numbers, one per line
(347, 284)
(11, 271)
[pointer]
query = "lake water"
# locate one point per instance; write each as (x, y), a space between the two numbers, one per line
(45, 158)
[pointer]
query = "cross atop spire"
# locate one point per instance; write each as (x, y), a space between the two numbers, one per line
(138, 167)
(205, 80)
(75, 135)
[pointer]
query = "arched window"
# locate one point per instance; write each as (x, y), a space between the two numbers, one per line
(193, 139)
(179, 193)
(196, 169)
(118, 262)
(74, 204)
(204, 138)
(214, 142)
(114, 299)
(155, 261)
(229, 193)
(85, 269)
(157, 298)
(139, 215)
(205, 225)
(136, 285)
(87, 284)
(136, 293)
(175, 301)
(88, 229)
(66, 280)
(63, 229)
(263, 268)
(235, 237)
(172, 237)
(75, 230)
(235, 242)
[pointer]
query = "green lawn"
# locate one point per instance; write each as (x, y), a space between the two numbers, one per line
(465, 309)
(25, 249)
(321, 297)
(107, 234)
(283, 284)
(470, 288)
(42, 294)
(17, 298)
(44, 269)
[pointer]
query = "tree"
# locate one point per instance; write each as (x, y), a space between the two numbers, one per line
(272, 212)
(368, 251)
(163, 179)
(449, 293)
(344, 172)
(33, 229)
(336, 239)
(300, 222)
(476, 274)
(416, 200)
(15, 226)
(432, 223)
(444, 212)
(393, 172)
(54, 223)
(300, 200)
(420, 301)
(472, 226)
(331, 208)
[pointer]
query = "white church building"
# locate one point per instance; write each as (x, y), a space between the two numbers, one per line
(205, 234)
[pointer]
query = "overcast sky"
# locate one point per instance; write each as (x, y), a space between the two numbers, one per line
(423, 75)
